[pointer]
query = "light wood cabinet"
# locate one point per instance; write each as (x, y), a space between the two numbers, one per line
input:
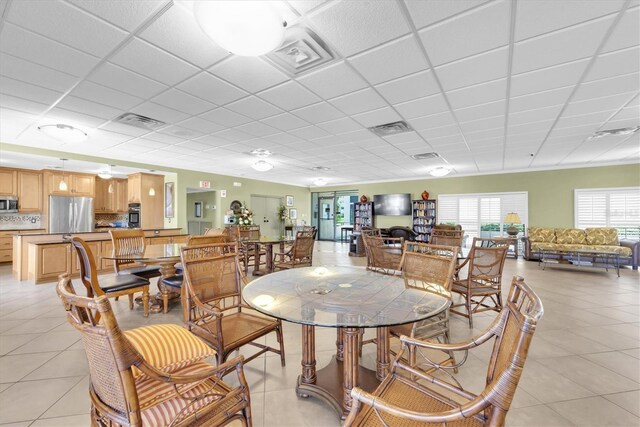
(179, 239)
(53, 180)
(29, 191)
(110, 202)
(121, 199)
(80, 185)
(51, 260)
(6, 246)
(148, 190)
(158, 240)
(134, 188)
(106, 249)
(8, 182)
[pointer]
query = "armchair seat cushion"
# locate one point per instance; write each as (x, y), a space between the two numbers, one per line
(173, 281)
(143, 271)
(118, 283)
(238, 328)
(167, 347)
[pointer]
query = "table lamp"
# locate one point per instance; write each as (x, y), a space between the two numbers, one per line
(512, 218)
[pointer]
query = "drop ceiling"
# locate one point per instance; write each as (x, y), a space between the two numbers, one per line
(491, 86)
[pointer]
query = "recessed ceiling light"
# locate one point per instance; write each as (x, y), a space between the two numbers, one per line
(621, 131)
(262, 166)
(440, 171)
(320, 168)
(260, 152)
(65, 133)
(319, 182)
(247, 28)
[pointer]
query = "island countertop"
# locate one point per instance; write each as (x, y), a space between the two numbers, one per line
(100, 230)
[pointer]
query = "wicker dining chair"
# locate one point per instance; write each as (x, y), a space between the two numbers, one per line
(212, 304)
(241, 234)
(447, 237)
(110, 286)
(428, 268)
(410, 396)
(154, 375)
(384, 254)
(128, 242)
(299, 255)
(481, 289)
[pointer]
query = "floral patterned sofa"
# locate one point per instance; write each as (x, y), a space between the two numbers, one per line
(567, 239)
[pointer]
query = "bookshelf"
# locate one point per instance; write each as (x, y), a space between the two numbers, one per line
(424, 218)
(363, 215)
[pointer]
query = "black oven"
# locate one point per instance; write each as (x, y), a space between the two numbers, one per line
(8, 204)
(134, 215)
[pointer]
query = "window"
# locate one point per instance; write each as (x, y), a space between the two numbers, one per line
(609, 207)
(482, 214)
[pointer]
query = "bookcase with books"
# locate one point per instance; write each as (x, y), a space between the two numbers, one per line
(363, 215)
(424, 218)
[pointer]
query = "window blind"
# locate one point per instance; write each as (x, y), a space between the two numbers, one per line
(609, 207)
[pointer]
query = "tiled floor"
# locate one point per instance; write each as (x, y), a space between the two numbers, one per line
(583, 367)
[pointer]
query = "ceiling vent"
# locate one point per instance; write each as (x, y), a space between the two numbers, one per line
(621, 131)
(425, 156)
(301, 50)
(139, 121)
(391, 128)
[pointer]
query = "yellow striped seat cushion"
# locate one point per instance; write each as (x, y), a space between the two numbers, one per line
(167, 347)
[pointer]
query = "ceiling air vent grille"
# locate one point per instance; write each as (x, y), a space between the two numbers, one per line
(139, 121)
(425, 156)
(622, 131)
(391, 128)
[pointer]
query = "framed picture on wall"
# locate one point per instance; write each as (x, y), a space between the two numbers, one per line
(288, 201)
(293, 213)
(169, 188)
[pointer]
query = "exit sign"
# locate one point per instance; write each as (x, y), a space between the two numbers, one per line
(205, 184)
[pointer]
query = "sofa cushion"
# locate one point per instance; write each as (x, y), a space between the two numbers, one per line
(602, 236)
(623, 251)
(570, 236)
(542, 234)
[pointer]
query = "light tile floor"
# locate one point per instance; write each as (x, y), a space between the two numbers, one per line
(583, 367)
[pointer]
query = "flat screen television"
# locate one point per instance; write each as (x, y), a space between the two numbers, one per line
(392, 204)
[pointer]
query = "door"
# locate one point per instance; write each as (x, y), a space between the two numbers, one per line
(265, 214)
(326, 221)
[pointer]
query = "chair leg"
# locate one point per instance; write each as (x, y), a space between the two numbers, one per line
(469, 312)
(281, 342)
(165, 301)
(130, 301)
(145, 301)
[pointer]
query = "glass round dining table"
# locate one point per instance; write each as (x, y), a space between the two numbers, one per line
(349, 299)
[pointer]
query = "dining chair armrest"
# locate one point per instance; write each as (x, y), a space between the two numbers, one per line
(235, 364)
(466, 345)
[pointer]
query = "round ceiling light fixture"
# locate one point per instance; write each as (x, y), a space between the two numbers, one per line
(262, 166)
(440, 171)
(320, 168)
(319, 182)
(246, 28)
(260, 152)
(65, 133)
(106, 174)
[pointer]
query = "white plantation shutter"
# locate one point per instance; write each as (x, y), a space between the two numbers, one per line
(468, 215)
(608, 207)
(447, 209)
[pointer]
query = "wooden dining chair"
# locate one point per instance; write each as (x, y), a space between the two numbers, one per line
(411, 396)
(110, 286)
(212, 304)
(129, 242)
(299, 255)
(154, 375)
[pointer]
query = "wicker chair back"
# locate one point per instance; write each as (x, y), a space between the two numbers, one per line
(429, 267)
(447, 237)
(126, 242)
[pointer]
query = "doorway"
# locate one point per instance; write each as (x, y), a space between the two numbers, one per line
(265, 214)
(332, 211)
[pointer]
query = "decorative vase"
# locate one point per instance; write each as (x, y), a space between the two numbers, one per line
(425, 195)
(363, 199)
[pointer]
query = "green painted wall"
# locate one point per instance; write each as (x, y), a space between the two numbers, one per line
(207, 199)
(550, 192)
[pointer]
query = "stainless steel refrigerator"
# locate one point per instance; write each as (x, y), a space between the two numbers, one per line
(70, 214)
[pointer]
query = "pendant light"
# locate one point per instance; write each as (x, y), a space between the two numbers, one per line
(110, 188)
(152, 192)
(63, 185)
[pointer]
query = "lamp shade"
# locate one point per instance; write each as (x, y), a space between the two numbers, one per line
(512, 218)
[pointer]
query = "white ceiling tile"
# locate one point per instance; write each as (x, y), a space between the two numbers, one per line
(440, 132)
(468, 33)
(485, 134)
(66, 24)
(309, 132)
(539, 99)
(289, 95)
(82, 121)
(478, 112)
(14, 122)
(163, 138)
(29, 72)
(342, 125)
(483, 124)
(377, 117)
(285, 121)
(586, 119)
(233, 135)
(180, 132)
(390, 61)
(542, 114)
(208, 87)
(125, 14)
(224, 117)
(427, 12)
(628, 113)
(159, 112)
(200, 125)
(193, 146)
(212, 141)
(626, 32)
(548, 78)
(304, 6)
(28, 91)
(334, 80)
(318, 113)
(116, 77)
(353, 26)
(257, 129)
(157, 64)
(542, 16)
(610, 86)
(181, 101)
(597, 104)
(105, 95)
(358, 102)
(177, 32)
(513, 130)
(417, 85)
(284, 138)
(478, 94)
(254, 107)
(580, 41)
(80, 105)
(615, 63)
(124, 129)
(422, 107)
(432, 121)
(487, 66)
(249, 73)
(23, 44)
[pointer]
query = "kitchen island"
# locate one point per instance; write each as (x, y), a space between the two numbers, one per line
(42, 257)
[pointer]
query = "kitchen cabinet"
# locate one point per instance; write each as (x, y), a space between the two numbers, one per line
(51, 260)
(106, 249)
(6, 246)
(29, 191)
(8, 182)
(148, 190)
(121, 200)
(80, 185)
(134, 188)
(110, 202)
(158, 240)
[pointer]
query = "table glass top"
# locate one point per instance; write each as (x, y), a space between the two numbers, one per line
(167, 251)
(340, 296)
(268, 239)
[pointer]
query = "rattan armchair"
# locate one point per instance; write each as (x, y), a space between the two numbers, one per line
(137, 380)
(447, 237)
(409, 396)
(299, 255)
(128, 242)
(111, 286)
(481, 290)
(212, 303)
(384, 254)
(248, 251)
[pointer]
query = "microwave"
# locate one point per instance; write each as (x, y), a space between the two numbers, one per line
(8, 204)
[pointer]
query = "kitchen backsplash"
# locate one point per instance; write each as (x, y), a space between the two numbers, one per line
(19, 222)
(106, 219)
